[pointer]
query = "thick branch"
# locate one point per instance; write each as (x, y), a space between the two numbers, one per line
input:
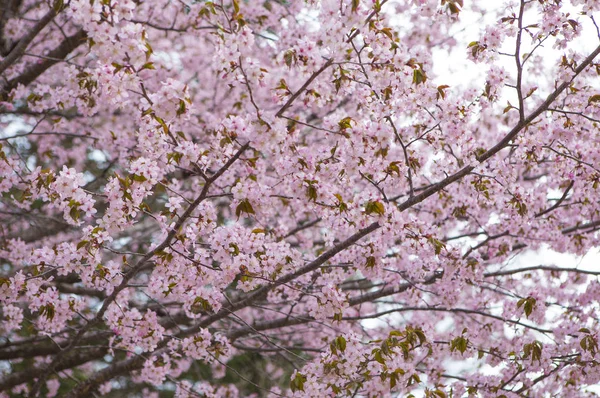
(539, 268)
(20, 48)
(69, 362)
(291, 100)
(518, 62)
(55, 56)
(558, 202)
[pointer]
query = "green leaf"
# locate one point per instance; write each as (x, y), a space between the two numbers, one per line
(370, 262)
(117, 67)
(482, 185)
(536, 352)
(439, 393)
(181, 108)
(138, 178)
(236, 249)
(82, 244)
(297, 383)
(459, 344)
(342, 206)
(200, 304)
(393, 380)
(174, 157)
(311, 192)
(345, 123)
(340, 343)
(74, 213)
(355, 4)
(387, 93)
(589, 343)
(244, 207)
(518, 204)
(454, 9)
(421, 336)
(533, 350)
(162, 124)
(375, 207)
(58, 5)
(441, 91)
(594, 98)
(419, 76)
(378, 356)
(508, 107)
(437, 244)
(388, 32)
(414, 379)
(289, 57)
(377, 6)
(48, 311)
(528, 305)
(282, 86)
(393, 168)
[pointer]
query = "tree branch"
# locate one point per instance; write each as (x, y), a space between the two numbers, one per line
(20, 48)
(55, 56)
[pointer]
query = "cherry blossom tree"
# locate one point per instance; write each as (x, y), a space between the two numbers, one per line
(288, 198)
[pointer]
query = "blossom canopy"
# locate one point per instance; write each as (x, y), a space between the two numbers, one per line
(278, 198)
